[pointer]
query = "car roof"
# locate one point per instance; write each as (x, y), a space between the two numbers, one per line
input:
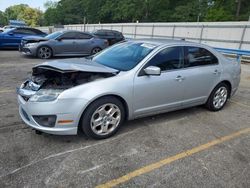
(67, 31)
(159, 42)
(22, 27)
(107, 30)
(28, 28)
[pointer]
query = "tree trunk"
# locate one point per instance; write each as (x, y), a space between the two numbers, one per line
(238, 9)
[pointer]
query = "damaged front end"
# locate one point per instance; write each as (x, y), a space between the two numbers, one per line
(48, 80)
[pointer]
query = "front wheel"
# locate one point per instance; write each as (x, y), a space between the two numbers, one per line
(103, 118)
(44, 52)
(218, 97)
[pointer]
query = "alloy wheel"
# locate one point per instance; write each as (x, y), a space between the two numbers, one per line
(44, 52)
(220, 97)
(105, 119)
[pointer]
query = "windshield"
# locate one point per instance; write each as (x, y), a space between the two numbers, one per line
(124, 56)
(54, 35)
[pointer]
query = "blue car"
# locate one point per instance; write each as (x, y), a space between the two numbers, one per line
(11, 38)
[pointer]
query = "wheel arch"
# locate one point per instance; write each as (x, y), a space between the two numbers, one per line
(121, 99)
(209, 102)
(228, 83)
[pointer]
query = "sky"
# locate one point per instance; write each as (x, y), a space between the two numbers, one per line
(32, 3)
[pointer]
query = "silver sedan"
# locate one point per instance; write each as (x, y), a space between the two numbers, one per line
(126, 81)
(62, 43)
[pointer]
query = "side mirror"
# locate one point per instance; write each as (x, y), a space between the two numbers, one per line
(11, 33)
(152, 70)
(59, 39)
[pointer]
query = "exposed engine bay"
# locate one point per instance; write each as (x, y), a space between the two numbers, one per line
(50, 79)
(56, 78)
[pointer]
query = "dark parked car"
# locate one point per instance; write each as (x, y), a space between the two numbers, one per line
(111, 35)
(12, 37)
(62, 43)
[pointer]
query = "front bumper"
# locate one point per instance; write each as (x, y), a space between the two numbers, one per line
(64, 109)
(27, 50)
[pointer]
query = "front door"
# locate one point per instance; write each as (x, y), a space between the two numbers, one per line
(66, 44)
(154, 94)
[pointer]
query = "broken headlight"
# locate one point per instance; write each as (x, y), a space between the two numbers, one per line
(45, 95)
(30, 44)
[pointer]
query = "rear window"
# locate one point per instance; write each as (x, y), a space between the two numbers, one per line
(24, 31)
(83, 36)
(197, 56)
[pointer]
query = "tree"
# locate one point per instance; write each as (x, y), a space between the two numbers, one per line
(31, 16)
(228, 10)
(112, 11)
(12, 12)
(3, 19)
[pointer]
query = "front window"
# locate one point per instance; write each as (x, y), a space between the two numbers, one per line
(124, 56)
(168, 59)
(53, 35)
(69, 36)
(83, 36)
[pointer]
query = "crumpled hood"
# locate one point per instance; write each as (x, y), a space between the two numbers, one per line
(34, 38)
(74, 65)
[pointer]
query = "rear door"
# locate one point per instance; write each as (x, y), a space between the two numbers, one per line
(84, 43)
(66, 44)
(202, 72)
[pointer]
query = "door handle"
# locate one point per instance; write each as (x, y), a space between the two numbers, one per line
(179, 78)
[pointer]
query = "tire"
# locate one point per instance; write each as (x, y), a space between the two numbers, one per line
(95, 50)
(107, 113)
(44, 52)
(218, 98)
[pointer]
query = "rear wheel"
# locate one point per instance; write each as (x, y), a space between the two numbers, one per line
(218, 97)
(103, 118)
(95, 50)
(44, 52)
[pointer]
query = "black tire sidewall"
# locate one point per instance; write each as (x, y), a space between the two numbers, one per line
(86, 117)
(210, 104)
